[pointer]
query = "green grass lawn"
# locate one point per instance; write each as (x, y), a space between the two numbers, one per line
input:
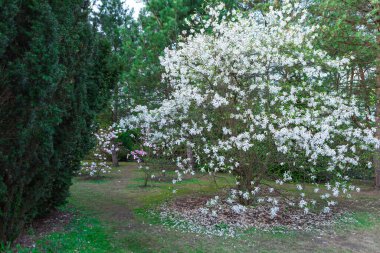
(112, 215)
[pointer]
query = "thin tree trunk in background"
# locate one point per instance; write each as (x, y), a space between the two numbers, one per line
(363, 87)
(337, 82)
(377, 118)
(115, 160)
(351, 81)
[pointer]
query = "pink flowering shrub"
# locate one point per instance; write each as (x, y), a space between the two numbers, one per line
(138, 155)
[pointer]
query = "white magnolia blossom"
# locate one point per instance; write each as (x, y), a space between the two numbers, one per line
(104, 146)
(249, 92)
(239, 209)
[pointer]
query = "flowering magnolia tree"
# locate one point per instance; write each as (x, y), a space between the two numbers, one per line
(249, 94)
(105, 145)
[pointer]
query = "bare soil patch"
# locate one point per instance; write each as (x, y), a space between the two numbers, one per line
(55, 221)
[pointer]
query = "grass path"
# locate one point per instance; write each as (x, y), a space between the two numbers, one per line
(108, 222)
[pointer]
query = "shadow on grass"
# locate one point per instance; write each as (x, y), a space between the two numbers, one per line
(81, 234)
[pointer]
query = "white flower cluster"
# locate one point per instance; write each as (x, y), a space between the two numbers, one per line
(105, 140)
(104, 145)
(94, 169)
(249, 92)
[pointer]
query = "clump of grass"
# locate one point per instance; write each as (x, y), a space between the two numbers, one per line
(358, 220)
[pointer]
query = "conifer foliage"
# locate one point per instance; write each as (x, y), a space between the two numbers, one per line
(55, 75)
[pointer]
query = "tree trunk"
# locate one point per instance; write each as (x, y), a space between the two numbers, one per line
(351, 81)
(115, 118)
(115, 161)
(276, 4)
(190, 157)
(377, 118)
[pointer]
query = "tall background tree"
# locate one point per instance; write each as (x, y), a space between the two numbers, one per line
(56, 74)
(117, 24)
(160, 24)
(352, 28)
